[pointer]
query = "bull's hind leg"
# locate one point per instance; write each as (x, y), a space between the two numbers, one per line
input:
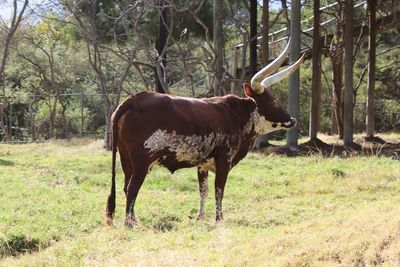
(140, 169)
(127, 168)
(203, 189)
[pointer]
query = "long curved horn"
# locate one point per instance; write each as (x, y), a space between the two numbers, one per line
(270, 68)
(267, 82)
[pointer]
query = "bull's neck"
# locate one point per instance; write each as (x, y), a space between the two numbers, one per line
(260, 124)
(250, 128)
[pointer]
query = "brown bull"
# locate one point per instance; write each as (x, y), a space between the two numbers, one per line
(213, 134)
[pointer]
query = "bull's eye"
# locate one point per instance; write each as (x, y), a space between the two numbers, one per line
(274, 125)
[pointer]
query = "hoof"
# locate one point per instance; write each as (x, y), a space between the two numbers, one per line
(108, 221)
(130, 223)
(200, 217)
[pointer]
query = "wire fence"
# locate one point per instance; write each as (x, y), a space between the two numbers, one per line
(84, 115)
(75, 115)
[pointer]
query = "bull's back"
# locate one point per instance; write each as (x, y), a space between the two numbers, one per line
(150, 112)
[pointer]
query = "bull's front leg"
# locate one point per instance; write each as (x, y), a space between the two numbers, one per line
(203, 190)
(221, 174)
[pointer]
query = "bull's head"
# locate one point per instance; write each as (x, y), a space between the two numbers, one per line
(272, 116)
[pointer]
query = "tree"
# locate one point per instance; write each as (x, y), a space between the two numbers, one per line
(44, 57)
(10, 31)
(348, 126)
(370, 125)
(316, 75)
(253, 37)
(336, 57)
(294, 79)
(87, 21)
(218, 43)
(47, 63)
(265, 33)
(161, 46)
(264, 57)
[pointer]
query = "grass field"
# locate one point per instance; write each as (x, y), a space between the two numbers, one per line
(278, 211)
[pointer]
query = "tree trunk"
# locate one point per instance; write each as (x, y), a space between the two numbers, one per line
(3, 116)
(65, 128)
(161, 61)
(218, 43)
(253, 37)
(53, 115)
(108, 131)
(337, 94)
(348, 74)
(336, 57)
(32, 123)
(316, 75)
(264, 60)
(294, 79)
(371, 69)
(52, 119)
(82, 108)
(265, 33)
(334, 125)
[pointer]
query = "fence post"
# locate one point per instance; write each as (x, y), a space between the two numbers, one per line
(10, 122)
(82, 96)
(234, 69)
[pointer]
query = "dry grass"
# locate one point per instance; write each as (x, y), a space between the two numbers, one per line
(365, 237)
(279, 211)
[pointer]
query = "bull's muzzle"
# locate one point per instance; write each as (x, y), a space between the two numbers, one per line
(289, 124)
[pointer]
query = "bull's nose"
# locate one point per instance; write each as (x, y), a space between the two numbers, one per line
(293, 121)
(290, 124)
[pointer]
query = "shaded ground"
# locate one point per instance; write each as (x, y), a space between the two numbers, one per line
(332, 146)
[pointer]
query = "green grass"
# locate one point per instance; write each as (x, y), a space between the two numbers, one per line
(278, 211)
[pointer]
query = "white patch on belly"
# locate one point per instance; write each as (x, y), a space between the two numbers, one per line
(188, 148)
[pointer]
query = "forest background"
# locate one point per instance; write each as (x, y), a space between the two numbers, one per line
(69, 63)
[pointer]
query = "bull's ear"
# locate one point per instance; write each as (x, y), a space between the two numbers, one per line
(248, 90)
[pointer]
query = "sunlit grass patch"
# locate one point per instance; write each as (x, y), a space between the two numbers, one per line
(278, 211)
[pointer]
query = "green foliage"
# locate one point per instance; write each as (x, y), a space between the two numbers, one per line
(31, 91)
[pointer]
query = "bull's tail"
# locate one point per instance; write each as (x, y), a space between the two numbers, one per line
(122, 108)
(110, 209)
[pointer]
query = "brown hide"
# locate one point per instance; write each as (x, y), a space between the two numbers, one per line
(213, 134)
